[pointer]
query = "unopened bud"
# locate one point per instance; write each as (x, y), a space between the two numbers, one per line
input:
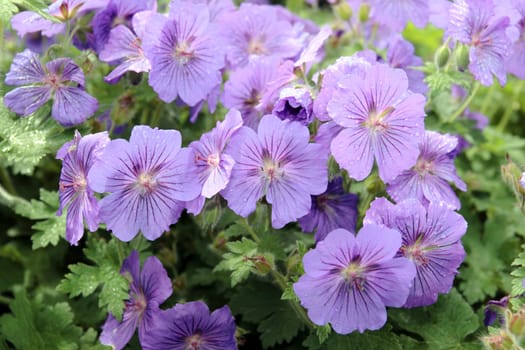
(262, 264)
(501, 341)
(462, 57)
(441, 57)
(343, 10)
(364, 12)
(517, 323)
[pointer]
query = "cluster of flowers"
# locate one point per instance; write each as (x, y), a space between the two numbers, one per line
(365, 110)
(188, 326)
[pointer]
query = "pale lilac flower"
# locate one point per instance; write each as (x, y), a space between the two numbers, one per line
(515, 61)
(431, 240)
(348, 280)
(244, 89)
(148, 288)
(186, 58)
(395, 14)
(278, 162)
(294, 104)
(472, 22)
(125, 45)
(254, 31)
(190, 326)
(75, 193)
(356, 64)
(147, 179)
(60, 79)
(212, 157)
(313, 52)
(428, 180)
(400, 54)
(326, 133)
(381, 121)
(331, 210)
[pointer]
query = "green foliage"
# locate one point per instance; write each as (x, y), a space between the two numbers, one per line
(51, 227)
(35, 325)
(7, 9)
(24, 142)
(518, 275)
(261, 304)
(104, 276)
(448, 324)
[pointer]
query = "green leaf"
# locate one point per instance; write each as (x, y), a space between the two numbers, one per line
(444, 325)
(7, 10)
(518, 275)
(238, 260)
(104, 276)
(33, 325)
(260, 303)
(24, 142)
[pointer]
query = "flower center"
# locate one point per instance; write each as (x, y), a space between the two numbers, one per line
(416, 251)
(376, 120)
(193, 342)
(256, 46)
(213, 160)
(353, 274)
(424, 166)
(145, 183)
(79, 183)
(271, 170)
(52, 80)
(137, 304)
(183, 52)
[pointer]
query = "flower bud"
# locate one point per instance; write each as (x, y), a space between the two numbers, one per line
(517, 323)
(441, 57)
(364, 12)
(501, 341)
(462, 57)
(343, 10)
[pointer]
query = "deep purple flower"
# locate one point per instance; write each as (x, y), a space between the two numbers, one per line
(400, 54)
(186, 56)
(125, 45)
(381, 121)
(75, 192)
(472, 22)
(244, 89)
(349, 280)
(356, 64)
(117, 13)
(431, 240)
(428, 179)
(213, 159)
(277, 162)
(294, 104)
(396, 14)
(149, 288)
(494, 310)
(190, 326)
(60, 79)
(147, 178)
(331, 210)
(254, 31)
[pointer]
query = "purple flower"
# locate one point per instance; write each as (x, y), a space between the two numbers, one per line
(431, 240)
(428, 179)
(125, 45)
(494, 310)
(148, 289)
(31, 22)
(381, 121)
(147, 178)
(254, 31)
(190, 326)
(355, 64)
(400, 54)
(515, 62)
(60, 79)
(186, 57)
(277, 162)
(75, 192)
(472, 22)
(244, 89)
(349, 280)
(396, 14)
(212, 157)
(313, 52)
(117, 12)
(326, 133)
(294, 104)
(331, 210)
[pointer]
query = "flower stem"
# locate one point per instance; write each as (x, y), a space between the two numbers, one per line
(465, 103)
(508, 112)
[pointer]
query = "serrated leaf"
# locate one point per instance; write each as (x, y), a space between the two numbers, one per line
(444, 325)
(36, 326)
(260, 303)
(238, 260)
(7, 10)
(104, 276)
